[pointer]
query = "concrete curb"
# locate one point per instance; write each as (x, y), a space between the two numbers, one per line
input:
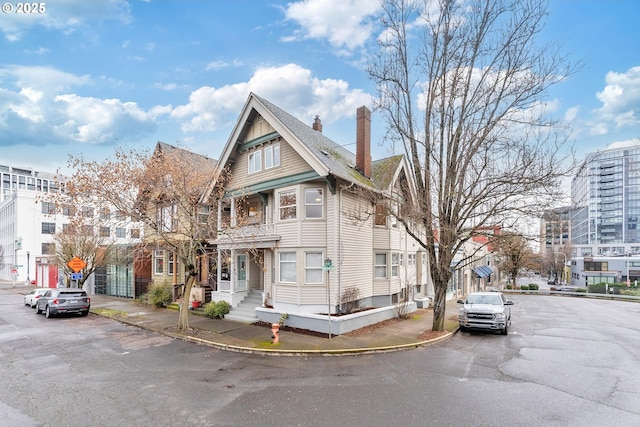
(278, 352)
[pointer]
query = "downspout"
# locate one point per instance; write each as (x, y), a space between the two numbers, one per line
(337, 241)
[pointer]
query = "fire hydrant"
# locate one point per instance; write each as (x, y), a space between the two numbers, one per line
(275, 333)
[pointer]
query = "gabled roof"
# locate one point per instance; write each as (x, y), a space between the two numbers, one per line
(197, 160)
(325, 156)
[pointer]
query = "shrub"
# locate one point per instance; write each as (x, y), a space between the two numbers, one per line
(524, 287)
(157, 295)
(533, 286)
(509, 287)
(216, 309)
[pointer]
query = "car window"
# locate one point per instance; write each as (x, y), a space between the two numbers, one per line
(73, 294)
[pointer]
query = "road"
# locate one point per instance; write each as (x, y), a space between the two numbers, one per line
(566, 362)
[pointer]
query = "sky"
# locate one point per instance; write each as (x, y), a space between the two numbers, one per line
(84, 77)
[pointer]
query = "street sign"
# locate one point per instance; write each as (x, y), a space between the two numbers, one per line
(76, 276)
(14, 271)
(76, 264)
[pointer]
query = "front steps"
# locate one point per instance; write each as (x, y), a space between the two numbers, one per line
(245, 312)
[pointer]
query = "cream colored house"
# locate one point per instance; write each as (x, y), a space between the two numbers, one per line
(305, 224)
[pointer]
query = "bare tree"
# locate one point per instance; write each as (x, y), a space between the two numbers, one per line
(462, 86)
(81, 239)
(515, 254)
(164, 191)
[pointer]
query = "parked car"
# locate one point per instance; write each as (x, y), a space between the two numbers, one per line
(485, 311)
(552, 282)
(63, 300)
(32, 296)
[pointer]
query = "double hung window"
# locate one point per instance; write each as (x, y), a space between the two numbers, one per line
(287, 203)
(288, 267)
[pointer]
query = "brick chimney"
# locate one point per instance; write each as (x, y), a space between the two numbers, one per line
(363, 141)
(317, 124)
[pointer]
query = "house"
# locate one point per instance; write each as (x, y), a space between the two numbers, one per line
(178, 219)
(309, 226)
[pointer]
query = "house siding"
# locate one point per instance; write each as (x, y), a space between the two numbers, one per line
(290, 163)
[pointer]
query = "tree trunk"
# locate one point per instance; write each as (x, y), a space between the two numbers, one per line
(183, 318)
(439, 306)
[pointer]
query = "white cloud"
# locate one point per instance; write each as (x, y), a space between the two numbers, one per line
(66, 16)
(620, 99)
(345, 24)
(95, 121)
(291, 87)
(42, 109)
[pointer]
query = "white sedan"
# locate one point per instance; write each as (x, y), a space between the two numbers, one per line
(32, 297)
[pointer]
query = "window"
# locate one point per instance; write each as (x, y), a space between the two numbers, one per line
(120, 216)
(381, 215)
(170, 263)
(158, 262)
(104, 213)
(381, 266)
(272, 156)
(105, 231)
(68, 210)
(411, 260)
(313, 202)
(313, 267)
(255, 161)
(48, 227)
(48, 208)
(166, 219)
(48, 249)
(135, 233)
(287, 201)
(121, 232)
(288, 267)
(203, 214)
(87, 211)
(394, 264)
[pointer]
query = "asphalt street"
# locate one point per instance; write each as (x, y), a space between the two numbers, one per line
(566, 362)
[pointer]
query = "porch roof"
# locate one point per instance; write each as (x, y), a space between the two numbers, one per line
(262, 242)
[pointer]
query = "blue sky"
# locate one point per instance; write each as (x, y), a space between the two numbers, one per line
(87, 76)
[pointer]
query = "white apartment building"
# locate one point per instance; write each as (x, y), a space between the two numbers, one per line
(27, 226)
(25, 235)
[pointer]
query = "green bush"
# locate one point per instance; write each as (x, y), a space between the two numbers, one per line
(509, 286)
(216, 309)
(533, 286)
(158, 295)
(524, 287)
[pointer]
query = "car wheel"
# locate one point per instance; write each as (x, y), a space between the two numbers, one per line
(505, 331)
(47, 312)
(38, 311)
(84, 313)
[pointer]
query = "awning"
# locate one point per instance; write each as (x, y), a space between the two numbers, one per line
(483, 271)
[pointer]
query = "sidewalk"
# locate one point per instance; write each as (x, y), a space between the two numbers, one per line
(246, 338)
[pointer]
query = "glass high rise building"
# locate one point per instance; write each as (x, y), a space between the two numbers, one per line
(605, 199)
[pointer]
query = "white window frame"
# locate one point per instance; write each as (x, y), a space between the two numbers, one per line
(288, 208)
(312, 269)
(254, 161)
(167, 218)
(395, 260)
(158, 262)
(378, 266)
(287, 262)
(170, 263)
(307, 204)
(272, 156)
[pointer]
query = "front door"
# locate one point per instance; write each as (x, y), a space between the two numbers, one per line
(241, 273)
